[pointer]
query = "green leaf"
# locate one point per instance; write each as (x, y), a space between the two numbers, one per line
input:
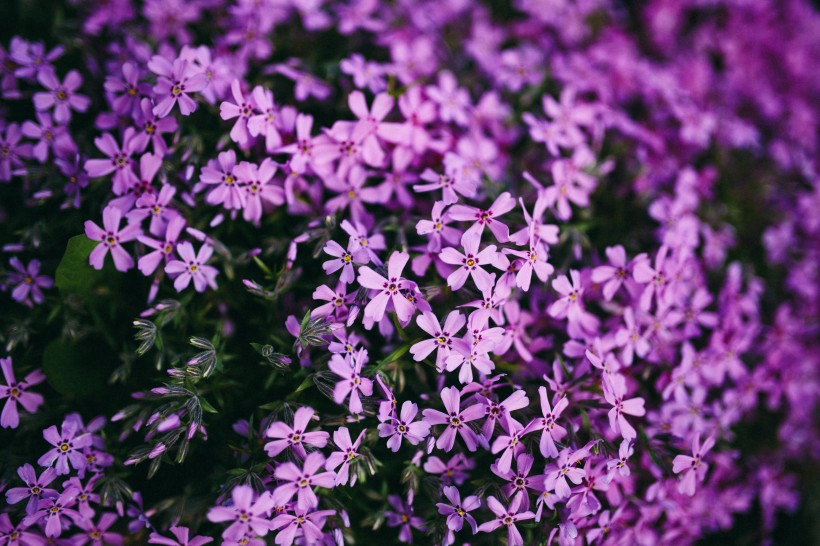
(206, 406)
(76, 369)
(74, 274)
(392, 357)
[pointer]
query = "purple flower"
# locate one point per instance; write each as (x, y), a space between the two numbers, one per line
(111, 238)
(390, 289)
(67, 448)
(450, 184)
(180, 538)
(453, 101)
(17, 393)
(258, 189)
(163, 249)
(294, 437)
(352, 383)
(118, 162)
(565, 468)
(54, 510)
(521, 480)
(35, 489)
(266, 123)
(693, 469)
(301, 481)
(12, 152)
(614, 392)
(97, 534)
(442, 337)
(50, 136)
(174, 83)
(29, 282)
(509, 444)
(243, 109)
(222, 176)
(470, 263)
(17, 535)
(192, 266)
(619, 463)
(245, 514)
(457, 511)
(403, 517)
(403, 427)
(455, 419)
(304, 524)
(486, 218)
(126, 91)
(496, 411)
(61, 95)
(508, 517)
(343, 458)
(552, 432)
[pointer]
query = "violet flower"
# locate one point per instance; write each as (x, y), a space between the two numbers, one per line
(470, 263)
(192, 266)
(246, 513)
(29, 282)
(352, 382)
(301, 481)
(457, 511)
(175, 80)
(342, 459)
(68, 445)
(35, 489)
(61, 95)
(302, 524)
(403, 428)
(389, 289)
(455, 419)
(111, 238)
(507, 517)
(181, 538)
(294, 437)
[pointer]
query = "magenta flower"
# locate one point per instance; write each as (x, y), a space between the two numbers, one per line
(301, 481)
(552, 432)
(343, 458)
(453, 101)
(403, 428)
(656, 279)
(226, 185)
(10, 533)
(614, 391)
(192, 266)
(507, 517)
(618, 464)
(246, 513)
(266, 123)
(453, 471)
(17, 393)
(304, 525)
(486, 218)
(612, 276)
(457, 512)
(29, 282)
(520, 481)
(509, 444)
(126, 91)
(181, 538)
(455, 419)
(174, 82)
(68, 446)
(352, 383)
(152, 129)
(119, 161)
(693, 469)
(256, 182)
(436, 228)
(565, 468)
(390, 289)
(61, 95)
(403, 517)
(155, 205)
(35, 489)
(111, 238)
(344, 260)
(450, 184)
(163, 249)
(442, 337)
(54, 510)
(337, 301)
(496, 411)
(295, 437)
(470, 263)
(242, 109)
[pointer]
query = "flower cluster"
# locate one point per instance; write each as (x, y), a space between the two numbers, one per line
(544, 273)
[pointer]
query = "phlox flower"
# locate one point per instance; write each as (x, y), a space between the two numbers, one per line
(174, 82)
(496, 411)
(486, 218)
(509, 442)
(403, 517)
(552, 431)
(111, 238)
(470, 263)
(442, 336)
(457, 511)
(256, 183)
(618, 464)
(302, 524)
(453, 101)
(456, 420)
(181, 538)
(614, 392)
(294, 437)
(54, 510)
(12, 152)
(390, 289)
(436, 228)
(118, 161)
(61, 96)
(344, 260)
(242, 108)
(29, 282)
(342, 459)
(245, 514)
(301, 481)
(519, 481)
(49, 136)
(68, 446)
(192, 266)
(402, 427)
(163, 249)
(565, 468)
(507, 517)
(35, 490)
(692, 469)
(352, 383)
(450, 184)
(97, 534)
(226, 189)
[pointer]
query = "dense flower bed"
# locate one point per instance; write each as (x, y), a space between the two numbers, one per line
(317, 272)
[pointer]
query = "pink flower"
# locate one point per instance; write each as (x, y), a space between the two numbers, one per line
(67, 448)
(301, 481)
(450, 184)
(266, 123)
(403, 427)
(618, 464)
(390, 289)
(175, 80)
(119, 161)
(17, 393)
(256, 183)
(486, 218)
(344, 260)
(507, 517)
(246, 513)
(693, 468)
(342, 459)
(296, 436)
(243, 109)
(181, 535)
(453, 101)
(509, 444)
(61, 95)
(192, 266)
(455, 419)
(436, 228)
(111, 238)
(614, 391)
(442, 337)
(470, 263)
(352, 382)
(552, 432)
(305, 524)
(226, 185)
(163, 249)
(565, 468)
